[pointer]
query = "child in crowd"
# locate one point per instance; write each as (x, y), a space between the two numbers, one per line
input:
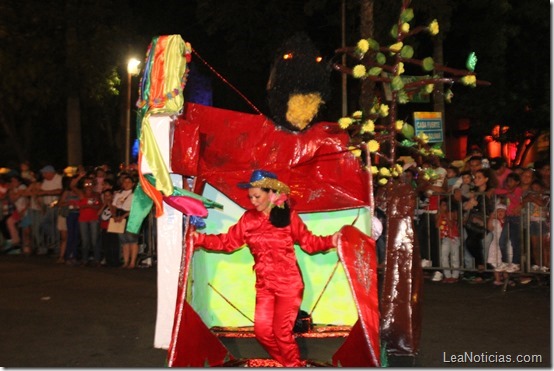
(452, 176)
(538, 204)
(447, 223)
(463, 192)
(495, 224)
(467, 185)
(512, 226)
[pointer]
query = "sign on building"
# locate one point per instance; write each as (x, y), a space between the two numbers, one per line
(429, 123)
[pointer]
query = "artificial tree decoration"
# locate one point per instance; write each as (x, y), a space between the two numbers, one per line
(379, 134)
(379, 128)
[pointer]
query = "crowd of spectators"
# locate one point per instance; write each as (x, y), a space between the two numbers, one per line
(481, 216)
(65, 213)
(477, 219)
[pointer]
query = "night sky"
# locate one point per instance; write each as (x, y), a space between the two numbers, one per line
(238, 39)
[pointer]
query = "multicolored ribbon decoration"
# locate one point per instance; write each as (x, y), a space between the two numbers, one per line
(160, 93)
(186, 202)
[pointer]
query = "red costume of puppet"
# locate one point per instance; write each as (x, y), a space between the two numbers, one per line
(279, 284)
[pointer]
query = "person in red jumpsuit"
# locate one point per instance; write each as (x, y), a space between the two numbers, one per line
(270, 230)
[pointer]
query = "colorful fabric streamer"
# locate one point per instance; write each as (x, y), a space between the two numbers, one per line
(189, 203)
(140, 207)
(161, 92)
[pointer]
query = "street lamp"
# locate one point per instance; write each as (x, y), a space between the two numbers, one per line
(133, 69)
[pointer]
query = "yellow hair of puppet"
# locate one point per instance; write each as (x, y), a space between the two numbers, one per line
(302, 108)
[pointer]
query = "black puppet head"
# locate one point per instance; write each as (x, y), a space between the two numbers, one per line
(298, 83)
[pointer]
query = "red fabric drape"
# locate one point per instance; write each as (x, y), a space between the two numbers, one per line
(358, 256)
(322, 174)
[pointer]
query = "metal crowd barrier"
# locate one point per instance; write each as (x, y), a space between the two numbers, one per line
(534, 232)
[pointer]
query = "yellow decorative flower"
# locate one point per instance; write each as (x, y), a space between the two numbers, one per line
(345, 122)
(394, 173)
(355, 151)
(424, 137)
(384, 172)
(363, 46)
(400, 69)
(359, 71)
(383, 181)
(374, 170)
(384, 110)
(448, 96)
(405, 27)
(469, 80)
(398, 125)
(373, 145)
(395, 48)
(434, 27)
(357, 115)
(398, 168)
(429, 88)
(437, 152)
(368, 126)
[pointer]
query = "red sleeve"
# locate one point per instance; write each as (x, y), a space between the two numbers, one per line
(308, 242)
(224, 242)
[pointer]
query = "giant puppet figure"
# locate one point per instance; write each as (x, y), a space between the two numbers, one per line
(215, 149)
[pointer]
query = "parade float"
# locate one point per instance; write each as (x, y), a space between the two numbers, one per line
(215, 149)
(192, 156)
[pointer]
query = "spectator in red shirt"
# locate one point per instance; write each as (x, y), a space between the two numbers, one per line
(89, 204)
(447, 223)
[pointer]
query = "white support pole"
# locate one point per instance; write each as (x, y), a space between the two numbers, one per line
(169, 238)
(170, 247)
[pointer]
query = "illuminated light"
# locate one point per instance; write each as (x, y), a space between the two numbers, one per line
(287, 56)
(133, 66)
(496, 130)
(494, 148)
(133, 69)
(318, 59)
(511, 148)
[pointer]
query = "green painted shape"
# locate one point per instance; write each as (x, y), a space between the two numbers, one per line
(233, 277)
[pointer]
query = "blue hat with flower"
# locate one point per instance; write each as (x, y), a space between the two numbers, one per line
(265, 179)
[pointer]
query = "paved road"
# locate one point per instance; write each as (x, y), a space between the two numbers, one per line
(59, 316)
